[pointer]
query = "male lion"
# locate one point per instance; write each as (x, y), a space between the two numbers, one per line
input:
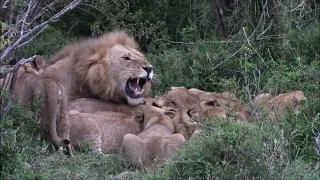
(155, 141)
(105, 130)
(53, 103)
(109, 68)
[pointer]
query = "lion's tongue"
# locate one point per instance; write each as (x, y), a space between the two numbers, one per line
(135, 87)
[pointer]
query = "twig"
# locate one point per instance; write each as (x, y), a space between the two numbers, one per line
(6, 109)
(4, 6)
(43, 10)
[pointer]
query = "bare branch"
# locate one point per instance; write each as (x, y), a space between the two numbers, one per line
(26, 34)
(26, 42)
(4, 6)
(43, 10)
(16, 66)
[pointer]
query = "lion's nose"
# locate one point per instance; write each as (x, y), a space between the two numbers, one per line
(147, 68)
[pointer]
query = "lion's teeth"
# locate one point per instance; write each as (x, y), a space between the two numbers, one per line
(137, 92)
(138, 80)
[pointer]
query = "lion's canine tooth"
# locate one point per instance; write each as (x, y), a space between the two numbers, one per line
(138, 80)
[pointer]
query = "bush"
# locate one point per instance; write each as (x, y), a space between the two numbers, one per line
(230, 150)
(301, 130)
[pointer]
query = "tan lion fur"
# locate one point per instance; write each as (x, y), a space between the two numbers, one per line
(53, 102)
(96, 68)
(261, 99)
(218, 105)
(153, 109)
(209, 105)
(183, 123)
(89, 105)
(155, 141)
(144, 152)
(276, 107)
(180, 97)
(103, 130)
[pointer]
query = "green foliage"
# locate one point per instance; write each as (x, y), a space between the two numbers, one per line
(18, 130)
(301, 130)
(3, 41)
(48, 43)
(230, 150)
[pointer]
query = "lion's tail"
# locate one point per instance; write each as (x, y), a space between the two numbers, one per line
(53, 100)
(64, 119)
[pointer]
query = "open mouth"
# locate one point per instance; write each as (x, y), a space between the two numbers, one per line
(135, 87)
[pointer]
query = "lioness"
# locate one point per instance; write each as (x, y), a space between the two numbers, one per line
(179, 97)
(105, 130)
(277, 105)
(212, 109)
(108, 67)
(155, 141)
(53, 103)
(261, 99)
(209, 105)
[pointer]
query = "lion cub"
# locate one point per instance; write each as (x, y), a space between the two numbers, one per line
(53, 102)
(183, 124)
(155, 141)
(104, 130)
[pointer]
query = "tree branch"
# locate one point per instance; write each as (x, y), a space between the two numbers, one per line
(26, 42)
(15, 44)
(16, 66)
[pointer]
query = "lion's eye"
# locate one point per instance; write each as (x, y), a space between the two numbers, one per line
(126, 58)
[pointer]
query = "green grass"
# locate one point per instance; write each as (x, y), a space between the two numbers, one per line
(225, 150)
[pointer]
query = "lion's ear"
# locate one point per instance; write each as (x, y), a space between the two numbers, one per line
(38, 63)
(138, 116)
(158, 103)
(212, 103)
